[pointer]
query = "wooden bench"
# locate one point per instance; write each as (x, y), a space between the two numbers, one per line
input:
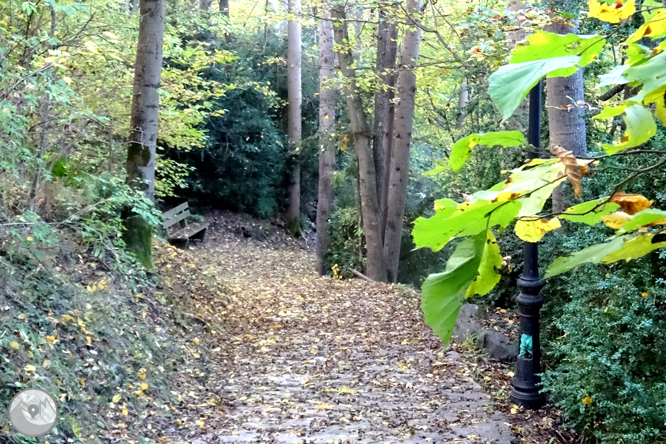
(186, 232)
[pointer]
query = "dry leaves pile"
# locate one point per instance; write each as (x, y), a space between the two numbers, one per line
(286, 356)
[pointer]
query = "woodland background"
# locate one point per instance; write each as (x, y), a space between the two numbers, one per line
(225, 140)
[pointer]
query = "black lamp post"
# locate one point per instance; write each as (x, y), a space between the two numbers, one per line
(525, 383)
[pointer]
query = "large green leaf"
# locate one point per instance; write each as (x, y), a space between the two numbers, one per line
(644, 217)
(593, 254)
(610, 112)
(650, 74)
(443, 293)
(635, 248)
(509, 85)
(462, 149)
(546, 45)
(465, 219)
(615, 77)
(588, 213)
(640, 128)
(487, 276)
(531, 184)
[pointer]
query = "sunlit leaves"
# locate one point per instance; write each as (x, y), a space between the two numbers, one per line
(487, 276)
(466, 219)
(612, 13)
(646, 217)
(610, 111)
(532, 230)
(593, 254)
(640, 128)
(620, 248)
(443, 293)
(462, 149)
(546, 45)
(655, 27)
(650, 74)
(510, 84)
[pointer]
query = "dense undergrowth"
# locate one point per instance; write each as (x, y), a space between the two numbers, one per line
(113, 342)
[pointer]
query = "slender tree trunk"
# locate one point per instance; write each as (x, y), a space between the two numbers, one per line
(46, 108)
(224, 7)
(326, 125)
(143, 122)
(402, 127)
(295, 99)
(376, 265)
(463, 101)
(387, 47)
(565, 117)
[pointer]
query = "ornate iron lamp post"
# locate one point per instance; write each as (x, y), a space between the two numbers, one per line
(525, 383)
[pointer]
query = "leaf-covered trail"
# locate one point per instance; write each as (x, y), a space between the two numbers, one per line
(318, 360)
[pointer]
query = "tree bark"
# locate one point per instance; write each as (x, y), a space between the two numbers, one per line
(224, 7)
(376, 265)
(295, 99)
(327, 148)
(141, 152)
(463, 101)
(565, 117)
(204, 5)
(404, 120)
(387, 48)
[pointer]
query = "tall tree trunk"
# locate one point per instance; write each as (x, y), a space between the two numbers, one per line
(295, 98)
(224, 7)
(404, 120)
(387, 48)
(376, 265)
(463, 101)
(143, 122)
(326, 124)
(565, 117)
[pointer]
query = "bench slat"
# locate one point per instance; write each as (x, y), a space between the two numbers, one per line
(172, 212)
(175, 219)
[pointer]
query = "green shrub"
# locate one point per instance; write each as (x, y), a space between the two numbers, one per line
(610, 346)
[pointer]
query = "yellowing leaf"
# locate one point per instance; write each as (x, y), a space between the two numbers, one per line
(14, 345)
(616, 220)
(532, 230)
(587, 400)
(144, 386)
(21, 316)
(612, 13)
(631, 203)
(46, 363)
(124, 410)
(343, 147)
(196, 341)
(30, 368)
(82, 382)
(646, 294)
(29, 239)
(654, 28)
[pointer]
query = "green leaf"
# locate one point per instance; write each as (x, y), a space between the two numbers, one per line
(591, 217)
(509, 85)
(487, 277)
(635, 248)
(593, 254)
(533, 183)
(615, 77)
(458, 220)
(443, 293)
(650, 74)
(610, 111)
(462, 149)
(644, 217)
(640, 128)
(546, 45)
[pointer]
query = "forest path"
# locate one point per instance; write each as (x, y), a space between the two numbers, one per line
(320, 360)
